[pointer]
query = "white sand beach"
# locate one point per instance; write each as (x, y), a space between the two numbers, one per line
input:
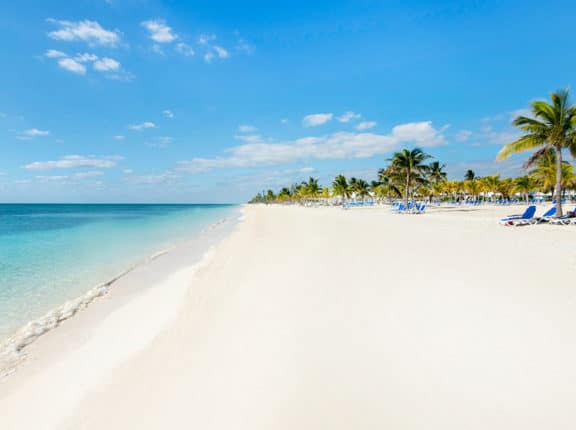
(321, 318)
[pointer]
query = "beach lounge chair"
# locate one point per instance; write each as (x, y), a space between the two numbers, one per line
(547, 215)
(522, 219)
(563, 220)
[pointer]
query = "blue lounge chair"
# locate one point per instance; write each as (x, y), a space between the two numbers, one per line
(519, 219)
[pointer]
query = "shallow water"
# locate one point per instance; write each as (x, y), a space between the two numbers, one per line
(50, 253)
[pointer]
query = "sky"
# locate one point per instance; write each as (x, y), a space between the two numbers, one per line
(212, 101)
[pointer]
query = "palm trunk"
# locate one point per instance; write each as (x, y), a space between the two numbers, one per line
(558, 188)
(407, 188)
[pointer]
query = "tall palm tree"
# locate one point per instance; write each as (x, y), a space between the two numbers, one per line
(553, 127)
(409, 165)
(340, 187)
(470, 175)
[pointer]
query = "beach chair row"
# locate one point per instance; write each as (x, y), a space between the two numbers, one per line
(529, 218)
(411, 208)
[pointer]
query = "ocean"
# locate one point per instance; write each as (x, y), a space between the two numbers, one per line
(50, 253)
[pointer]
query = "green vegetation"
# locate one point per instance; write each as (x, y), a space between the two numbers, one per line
(550, 130)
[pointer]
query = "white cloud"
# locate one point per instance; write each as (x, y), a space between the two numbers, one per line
(127, 171)
(205, 39)
(142, 126)
(77, 64)
(342, 145)
(53, 53)
(119, 137)
(365, 125)
(158, 31)
(87, 31)
(211, 51)
(349, 116)
(208, 57)
(245, 128)
(72, 66)
(73, 161)
(284, 121)
(34, 132)
(249, 138)
(106, 65)
(420, 133)
(221, 52)
(85, 58)
(316, 119)
(185, 49)
(168, 114)
(89, 174)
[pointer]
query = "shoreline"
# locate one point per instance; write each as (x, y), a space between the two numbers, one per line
(14, 347)
(323, 318)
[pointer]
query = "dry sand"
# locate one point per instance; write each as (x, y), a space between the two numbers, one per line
(330, 319)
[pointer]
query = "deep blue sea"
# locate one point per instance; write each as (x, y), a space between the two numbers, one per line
(50, 253)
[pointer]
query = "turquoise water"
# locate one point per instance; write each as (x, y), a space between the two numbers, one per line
(50, 253)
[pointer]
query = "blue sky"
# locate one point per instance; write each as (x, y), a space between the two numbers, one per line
(212, 101)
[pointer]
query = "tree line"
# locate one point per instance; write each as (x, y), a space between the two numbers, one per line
(548, 131)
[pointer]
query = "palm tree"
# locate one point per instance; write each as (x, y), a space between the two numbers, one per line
(470, 175)
(409, 165)
(525, 185)
(436, 175)
(544, 172)
(490, 184)
(340, 187)
(386, 186)
(311, 188)
(553, 127)
(472, 187)
(361, 188)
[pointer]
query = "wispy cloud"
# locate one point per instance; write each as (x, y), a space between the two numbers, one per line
(316, 119)
(366, 125)
(87, 31)
(119, 137)
(245, 128)
(349, 116)
(74, 161)
(168, 114)
(72, 65)
(77, 64)
(32, 133)
(212, 51)
(337, 146)
(159, 31)
(53, 53)
(142, 126)
(106, 65)
(185, 49)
